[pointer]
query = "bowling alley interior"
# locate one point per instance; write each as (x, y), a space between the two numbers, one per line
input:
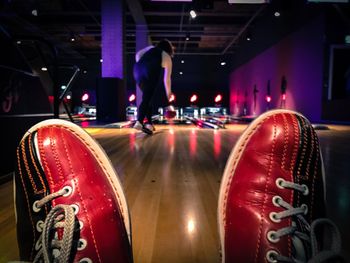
(233, 62)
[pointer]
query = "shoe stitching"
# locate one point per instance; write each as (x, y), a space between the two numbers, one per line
(27, 201)
(313, 179)
(79, 193)
(266, 186)
(55, 155)
(234, 165)
(286, 135)
(304, 147)
(26, 166)
(312, 148)
(30, 138)
(43, 158)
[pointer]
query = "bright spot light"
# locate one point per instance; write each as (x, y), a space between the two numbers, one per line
(193, 98)
(284, 96)
(101, 60)
(268, 98)
(193, 14)
(223, 63)
(63, 87)
(172, 98)
(218, 98)
(277, 14)
(85, 97)
(190, 226)
(182, 61)
(69, 97)
(44, 69)
(132, 97)
(181, 73)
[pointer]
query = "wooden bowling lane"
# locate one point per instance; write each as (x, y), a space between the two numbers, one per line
(171, 181)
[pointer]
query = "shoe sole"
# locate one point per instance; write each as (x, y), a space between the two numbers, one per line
(100, 155)
(231, 165)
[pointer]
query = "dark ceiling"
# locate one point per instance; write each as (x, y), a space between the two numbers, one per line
(216, 29)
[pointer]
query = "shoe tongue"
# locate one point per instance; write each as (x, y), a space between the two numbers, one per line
(299, 252)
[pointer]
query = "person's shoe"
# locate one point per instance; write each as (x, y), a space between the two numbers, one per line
(70, 206)
(138, 126)
(271, 191)
(150, 127)
(147, 130)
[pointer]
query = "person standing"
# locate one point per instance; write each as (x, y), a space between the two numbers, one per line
(147, 71)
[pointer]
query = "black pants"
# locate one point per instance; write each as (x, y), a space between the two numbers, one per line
(146, 107)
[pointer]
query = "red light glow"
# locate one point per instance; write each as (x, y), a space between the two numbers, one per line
(132, 98)
(193, 98)
(85, 97)
(172, 98)
(218, 98)
(284, 96)
(268, 98)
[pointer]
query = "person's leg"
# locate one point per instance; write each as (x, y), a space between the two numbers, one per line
(146, 99)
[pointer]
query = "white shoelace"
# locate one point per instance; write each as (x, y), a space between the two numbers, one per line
(60, 216)
(317, 255)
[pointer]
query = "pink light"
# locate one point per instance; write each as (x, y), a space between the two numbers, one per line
(284, 96)
(85, 97)
(132, 97)
(268, 98)
(218, 98)
(172, 98)
(194, 98)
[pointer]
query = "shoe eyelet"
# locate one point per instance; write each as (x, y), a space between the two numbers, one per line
(279, 182)
(274, 218)
(56, 252)
(75, 208)
(306, 209)
(82, 243)
(36, 209)
(272, 236)
(271, 256)
(81, 225)
(68, 190)
(306, 189)
(276, 200)
(85, 260)
(40, 226)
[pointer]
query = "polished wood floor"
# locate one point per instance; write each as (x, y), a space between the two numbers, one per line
(171, 181)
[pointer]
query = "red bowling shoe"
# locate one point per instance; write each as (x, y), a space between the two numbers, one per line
(70, 205)
(271, 191)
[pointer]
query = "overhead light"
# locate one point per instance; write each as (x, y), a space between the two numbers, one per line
(248, 1)
(63, 87)
(248, 38)
(35, 12)
(44, 69)
(101, 60)
(181, 73)
(72, 39)
(85, 71)
(18, 42)
(68, 97)
(277, 14)
(193, 14)
(182, 61)
(187, 38)
(223, 63)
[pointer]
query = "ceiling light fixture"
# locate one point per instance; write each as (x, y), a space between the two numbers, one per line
(44, 69)
(223, 63)
(182, 61)
(193, 14)
(277, 14)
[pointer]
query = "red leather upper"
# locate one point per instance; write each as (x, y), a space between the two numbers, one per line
(68, 160)
(271, 151)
